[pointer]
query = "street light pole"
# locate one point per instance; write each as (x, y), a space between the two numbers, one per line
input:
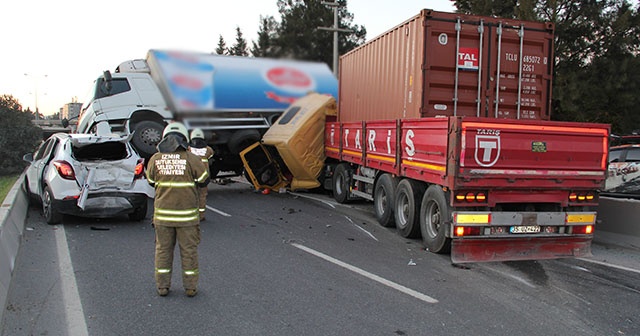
(36, 92)
(335, 30)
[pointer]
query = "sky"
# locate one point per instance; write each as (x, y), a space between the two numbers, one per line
(52, 51)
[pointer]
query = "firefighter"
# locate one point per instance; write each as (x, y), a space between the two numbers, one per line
(176, 174)
(198, 146)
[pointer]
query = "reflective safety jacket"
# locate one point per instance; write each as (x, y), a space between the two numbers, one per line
(205, 154)
(176, 177)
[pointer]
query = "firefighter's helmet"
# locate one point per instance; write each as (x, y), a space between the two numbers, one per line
(176, 127)
(197, 134)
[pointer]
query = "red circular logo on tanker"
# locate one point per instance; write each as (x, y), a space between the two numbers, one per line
(289, 78)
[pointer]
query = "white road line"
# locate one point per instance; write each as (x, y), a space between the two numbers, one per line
(218, 211)
(361, 228)
(76, 322)
(610, 265)
(366, 274)
(313, 198)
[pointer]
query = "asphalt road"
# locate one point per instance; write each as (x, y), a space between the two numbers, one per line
(300, 264)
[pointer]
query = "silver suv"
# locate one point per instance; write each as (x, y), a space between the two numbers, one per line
(87, 175)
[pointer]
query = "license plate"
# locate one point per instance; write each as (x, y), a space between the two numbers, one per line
(525, 229)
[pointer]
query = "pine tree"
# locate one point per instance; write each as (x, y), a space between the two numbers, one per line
(266, 45)
(240, 47)
(222, 47)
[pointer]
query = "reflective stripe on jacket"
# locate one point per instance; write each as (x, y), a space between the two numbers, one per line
(175, 177)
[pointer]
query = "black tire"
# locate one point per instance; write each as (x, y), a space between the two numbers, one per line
(147, 135)
(242, 139)
(139, 213)
(50, 214)
(434, 215)
(407, 210)
(341, 183)
(383, 199)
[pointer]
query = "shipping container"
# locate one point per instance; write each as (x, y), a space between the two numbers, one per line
(448, 64)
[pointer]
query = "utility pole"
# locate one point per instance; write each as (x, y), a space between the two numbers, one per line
(335, 30)
(36, 79)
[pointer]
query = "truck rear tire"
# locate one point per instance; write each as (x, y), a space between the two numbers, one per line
(341, 183)
(407, 211)
(147, 134)
(434, 214)
(383, 199)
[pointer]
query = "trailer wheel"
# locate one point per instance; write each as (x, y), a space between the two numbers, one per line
(341, 183)
(407, 212)
(383, 197)
(434, 213)
(147, 134)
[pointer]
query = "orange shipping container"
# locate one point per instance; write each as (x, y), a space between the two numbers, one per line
(448, 64)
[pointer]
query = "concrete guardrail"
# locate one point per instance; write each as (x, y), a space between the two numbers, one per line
(13, 213)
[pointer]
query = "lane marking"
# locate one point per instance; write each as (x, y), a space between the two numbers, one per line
(76, 323)
(313, 198)
(218, 211)
(361, 228)
(368, 275)
(610, 265)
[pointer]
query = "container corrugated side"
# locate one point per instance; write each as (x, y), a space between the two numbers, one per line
(448, 64)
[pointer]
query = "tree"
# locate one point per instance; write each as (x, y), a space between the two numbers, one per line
(240, 47)
(299, 37)
(18, 135)
(266, 46)
(221, 49)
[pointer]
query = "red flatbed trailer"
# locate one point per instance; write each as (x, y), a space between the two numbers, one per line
(443, 122)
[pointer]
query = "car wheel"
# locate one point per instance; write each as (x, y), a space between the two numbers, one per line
(139, 213)
(147, 135)
(383, 197)
(50, 214)
(434, 214)
(408, 196)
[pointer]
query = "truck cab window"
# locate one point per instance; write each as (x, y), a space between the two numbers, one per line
(118, 85)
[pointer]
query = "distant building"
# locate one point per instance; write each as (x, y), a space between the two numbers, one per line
(70, 110)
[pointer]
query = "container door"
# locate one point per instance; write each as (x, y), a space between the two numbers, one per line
(487, 67)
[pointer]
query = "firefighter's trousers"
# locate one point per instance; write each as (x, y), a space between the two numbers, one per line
(188, 239)
(202, 195)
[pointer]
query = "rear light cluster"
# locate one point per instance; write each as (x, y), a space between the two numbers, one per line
(65, 170)
(139, 170)
(470, 197)
(582, 196)
(582, 229)
(483, 223)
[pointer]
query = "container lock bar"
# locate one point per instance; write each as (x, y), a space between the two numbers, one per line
(518, 103)
(479, 99)
(457, 60)
(499, 32)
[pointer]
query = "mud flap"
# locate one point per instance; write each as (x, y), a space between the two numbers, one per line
(509, 249)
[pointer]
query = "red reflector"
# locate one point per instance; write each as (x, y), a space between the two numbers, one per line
(65, 170)
(582, 229)
(462, 231)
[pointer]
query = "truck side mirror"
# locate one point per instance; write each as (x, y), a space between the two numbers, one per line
(65, 122)
(107, 81)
